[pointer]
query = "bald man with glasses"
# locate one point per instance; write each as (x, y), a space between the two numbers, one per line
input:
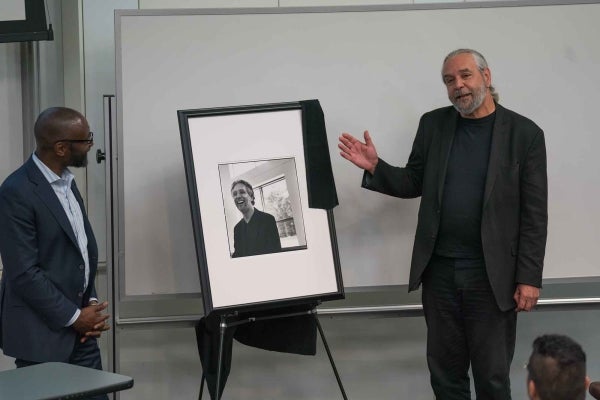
(49, 309)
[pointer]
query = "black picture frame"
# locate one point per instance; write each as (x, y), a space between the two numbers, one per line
(263, 135)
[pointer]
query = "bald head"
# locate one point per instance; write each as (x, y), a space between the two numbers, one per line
(63, 138)
(56, 123)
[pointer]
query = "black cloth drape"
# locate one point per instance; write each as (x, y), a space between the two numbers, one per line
(319, 175)
(293, 334)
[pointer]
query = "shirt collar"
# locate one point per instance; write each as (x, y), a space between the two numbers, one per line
(50, 175)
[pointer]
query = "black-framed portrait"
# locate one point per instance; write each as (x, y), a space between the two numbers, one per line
(258, 243)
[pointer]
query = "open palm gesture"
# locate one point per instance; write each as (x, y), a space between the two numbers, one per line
(363, 155)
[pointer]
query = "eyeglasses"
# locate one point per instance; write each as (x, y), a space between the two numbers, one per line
(89, 140)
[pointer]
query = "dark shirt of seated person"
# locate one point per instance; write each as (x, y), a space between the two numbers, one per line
(556, 369)
(256, 233)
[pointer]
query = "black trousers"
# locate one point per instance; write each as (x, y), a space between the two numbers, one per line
(466, 327)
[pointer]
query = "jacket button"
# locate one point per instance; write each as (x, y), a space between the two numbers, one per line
(81, 267)
(80, 294)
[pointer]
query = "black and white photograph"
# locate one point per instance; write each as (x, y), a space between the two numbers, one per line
(258, 243)
(263, 212)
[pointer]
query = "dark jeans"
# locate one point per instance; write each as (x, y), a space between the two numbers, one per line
(84, 354)
(466, 327)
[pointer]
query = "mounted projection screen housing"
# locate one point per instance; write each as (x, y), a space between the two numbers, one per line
(24, 21)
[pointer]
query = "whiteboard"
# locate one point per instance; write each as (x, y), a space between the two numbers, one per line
(371, 68)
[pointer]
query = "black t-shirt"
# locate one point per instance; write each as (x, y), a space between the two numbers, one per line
(459, 235)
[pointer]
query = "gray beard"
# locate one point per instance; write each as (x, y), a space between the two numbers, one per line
(478, 98)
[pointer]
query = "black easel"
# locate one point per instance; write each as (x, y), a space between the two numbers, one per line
(224, 325)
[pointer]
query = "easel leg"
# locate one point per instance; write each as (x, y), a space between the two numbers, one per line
(222, 327)
(201, 387)
(337, 376)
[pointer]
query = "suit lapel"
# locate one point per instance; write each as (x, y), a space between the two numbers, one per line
(45, 192)
(89, 233)
(447, 132)
(497, 152)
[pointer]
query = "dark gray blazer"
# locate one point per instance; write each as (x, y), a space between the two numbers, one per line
(44, 271)
(515, 211)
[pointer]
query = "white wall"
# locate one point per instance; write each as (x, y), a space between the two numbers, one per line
(11, 128)
(99, 74)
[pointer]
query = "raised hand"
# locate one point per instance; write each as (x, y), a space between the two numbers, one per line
(363, 155)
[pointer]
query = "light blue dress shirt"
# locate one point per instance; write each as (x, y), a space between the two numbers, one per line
(62, 188)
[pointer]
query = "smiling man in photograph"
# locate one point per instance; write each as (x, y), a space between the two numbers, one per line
(480, 170)
(256, 233)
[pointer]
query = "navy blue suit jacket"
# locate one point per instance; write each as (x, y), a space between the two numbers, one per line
(42, 281)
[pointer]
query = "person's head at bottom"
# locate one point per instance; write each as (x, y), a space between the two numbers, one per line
(556, 369)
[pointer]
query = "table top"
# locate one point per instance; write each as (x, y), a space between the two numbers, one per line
(55, 380)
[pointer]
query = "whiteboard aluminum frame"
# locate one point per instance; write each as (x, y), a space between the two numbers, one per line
(181, 305)
(309, 275)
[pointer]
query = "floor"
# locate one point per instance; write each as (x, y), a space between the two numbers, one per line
(377, 358)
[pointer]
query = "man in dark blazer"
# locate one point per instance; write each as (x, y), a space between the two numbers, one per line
(256, 233)
(480, 170)
(48, 304)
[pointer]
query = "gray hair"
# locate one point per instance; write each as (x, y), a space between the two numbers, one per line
(481, 65)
